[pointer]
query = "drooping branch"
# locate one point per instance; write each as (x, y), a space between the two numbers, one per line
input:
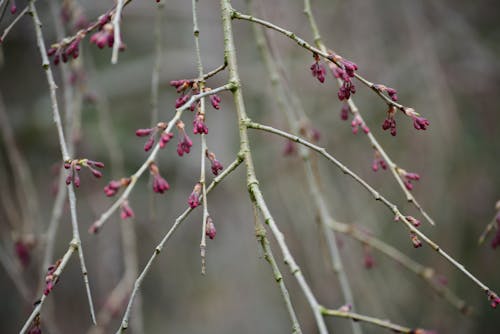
(395, 169)
(492, 296)
(326, 55)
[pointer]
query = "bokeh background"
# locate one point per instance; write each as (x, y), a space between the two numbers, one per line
(442, 56)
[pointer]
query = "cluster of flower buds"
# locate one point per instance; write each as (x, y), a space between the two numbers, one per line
(216, 165)
(408, 178)
(127, 211)
(415, 240)
(393, 94)
(345, 72)
(419, 123)
(105, 34)
(74, 165)
(344, 112)
(210, 230)
(356, 123)
(378, 161)
(151, 132)
(185, 88)
(199, 125)
(390, 121)
(493, 298)
(194, 197)
(51, 278)
(114, 185)
(160, 185)
(215, 101)
(369, 260)
(64, 52)
(414, 221)
(317, 69)
(185, 143)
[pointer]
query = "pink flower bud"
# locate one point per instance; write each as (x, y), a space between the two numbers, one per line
(143, 132)
(194, 197)
(165, 138)
(126, 212)
(210, 230)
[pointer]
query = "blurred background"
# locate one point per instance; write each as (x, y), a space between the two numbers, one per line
(441, 56)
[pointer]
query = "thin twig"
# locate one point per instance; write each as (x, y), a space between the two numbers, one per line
(133, 179)
(376, 195)
(13, 23)
(213, 72)
(161, 245)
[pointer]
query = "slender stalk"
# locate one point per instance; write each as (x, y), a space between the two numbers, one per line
(133, 179)
(252, 183)
(161, 245)
(397, 213)
(63, 146)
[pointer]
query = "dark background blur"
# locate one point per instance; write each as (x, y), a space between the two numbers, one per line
(442, 56)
